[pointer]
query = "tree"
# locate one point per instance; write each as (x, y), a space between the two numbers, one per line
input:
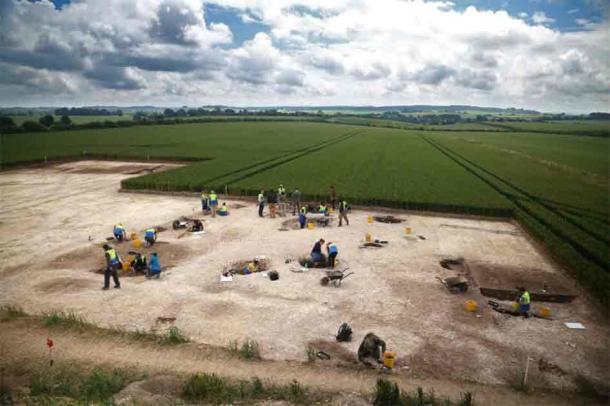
(47, 120)
(32, 126)
(65, 120)
(6, 123)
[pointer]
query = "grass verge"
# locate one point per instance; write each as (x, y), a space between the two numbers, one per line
(389, 394)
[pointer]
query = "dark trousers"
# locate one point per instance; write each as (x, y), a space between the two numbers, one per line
(261, 206)
(111, 270)
(332, 259)
(150, 241)
(343, 216)
(333, 202)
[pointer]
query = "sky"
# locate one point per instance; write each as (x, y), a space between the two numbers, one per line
(548, 55)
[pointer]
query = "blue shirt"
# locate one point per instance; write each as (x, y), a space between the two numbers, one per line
(154, 264)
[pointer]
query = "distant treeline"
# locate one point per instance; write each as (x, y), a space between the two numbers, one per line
(86, 111)
(446, 118)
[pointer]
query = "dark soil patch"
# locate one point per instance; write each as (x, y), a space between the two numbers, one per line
(509, 277)
(290, 224)
(388, 219)
(338, 352)
(237, 206)
(65, 285)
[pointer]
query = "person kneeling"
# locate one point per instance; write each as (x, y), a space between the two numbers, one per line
(138, 264)
(197, 226)
(223, 211)
(150, 236)
(154, 266)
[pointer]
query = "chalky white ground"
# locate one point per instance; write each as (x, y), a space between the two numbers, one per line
(50, 213)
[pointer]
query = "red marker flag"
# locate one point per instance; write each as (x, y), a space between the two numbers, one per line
(49, 343)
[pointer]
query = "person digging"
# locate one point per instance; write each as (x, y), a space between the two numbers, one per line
(317, 257)
(150, 236)
(119, 232)
(113, 264)
(333, 251)
(154, 267)
(371, 350)
(138, 264)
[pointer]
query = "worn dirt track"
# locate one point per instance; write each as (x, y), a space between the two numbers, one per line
(27, 342)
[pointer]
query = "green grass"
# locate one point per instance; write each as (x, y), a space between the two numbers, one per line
(97, 386)
(248, 350)
(389, 394)
(214, 389)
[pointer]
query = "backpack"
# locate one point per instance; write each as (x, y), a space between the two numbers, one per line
(274, 275)
(344, 333)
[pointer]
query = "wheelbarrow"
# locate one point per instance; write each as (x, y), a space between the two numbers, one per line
(334, 278)
(454, 284)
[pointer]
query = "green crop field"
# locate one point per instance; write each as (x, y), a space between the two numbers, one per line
(555, 185)
(588, 127)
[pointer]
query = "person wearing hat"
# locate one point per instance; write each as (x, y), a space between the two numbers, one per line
(113, 263)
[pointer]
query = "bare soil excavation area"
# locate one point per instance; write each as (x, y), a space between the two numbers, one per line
(53, 221)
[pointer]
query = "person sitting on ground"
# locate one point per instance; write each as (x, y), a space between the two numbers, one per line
(138, 264)
(371, 350)
(213, 202)
(113, 264)
(154, 266)
(119, 232)
(150, 236)
(251, 267)
(303, 216)
(223, 211)
(316, 253)
(323, 209)
(524, 302)
(197, 226)
(205, 202)
(333, 251)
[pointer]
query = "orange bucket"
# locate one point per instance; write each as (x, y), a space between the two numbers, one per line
(470, 306)
(389, 358)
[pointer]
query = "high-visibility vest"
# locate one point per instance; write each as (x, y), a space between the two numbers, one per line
(150, 232)
(333, 248)
(303, 210)
(525, 298)
(281, 191)
(119, 229)
(223, 209)
(112, 255)
(343, 206)
(213, 196)
(261, 198)
(204, 196)
(322, 208)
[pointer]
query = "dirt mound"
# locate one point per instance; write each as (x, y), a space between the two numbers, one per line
(290, 224)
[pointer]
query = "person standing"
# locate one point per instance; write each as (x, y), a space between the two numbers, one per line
(343, 213)
(205, 202)
(213, 202)
(281, 199)
(272, 200)
(261, 203)
(524, 302)
(113, 263)
(296, 200)
(332, 250)
(303, 216)
(333, 197)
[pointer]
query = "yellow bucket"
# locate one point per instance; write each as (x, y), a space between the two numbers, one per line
(515, 305)
(389, 358)
(368, 237)
(126, 266)
(311, 226)
(133, 236)
(545, 311)
(408, 230)
(137, 243)
(370, 220)
(470, 306)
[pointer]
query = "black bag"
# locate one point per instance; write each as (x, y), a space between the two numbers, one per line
(344, 333)
(274, 275)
